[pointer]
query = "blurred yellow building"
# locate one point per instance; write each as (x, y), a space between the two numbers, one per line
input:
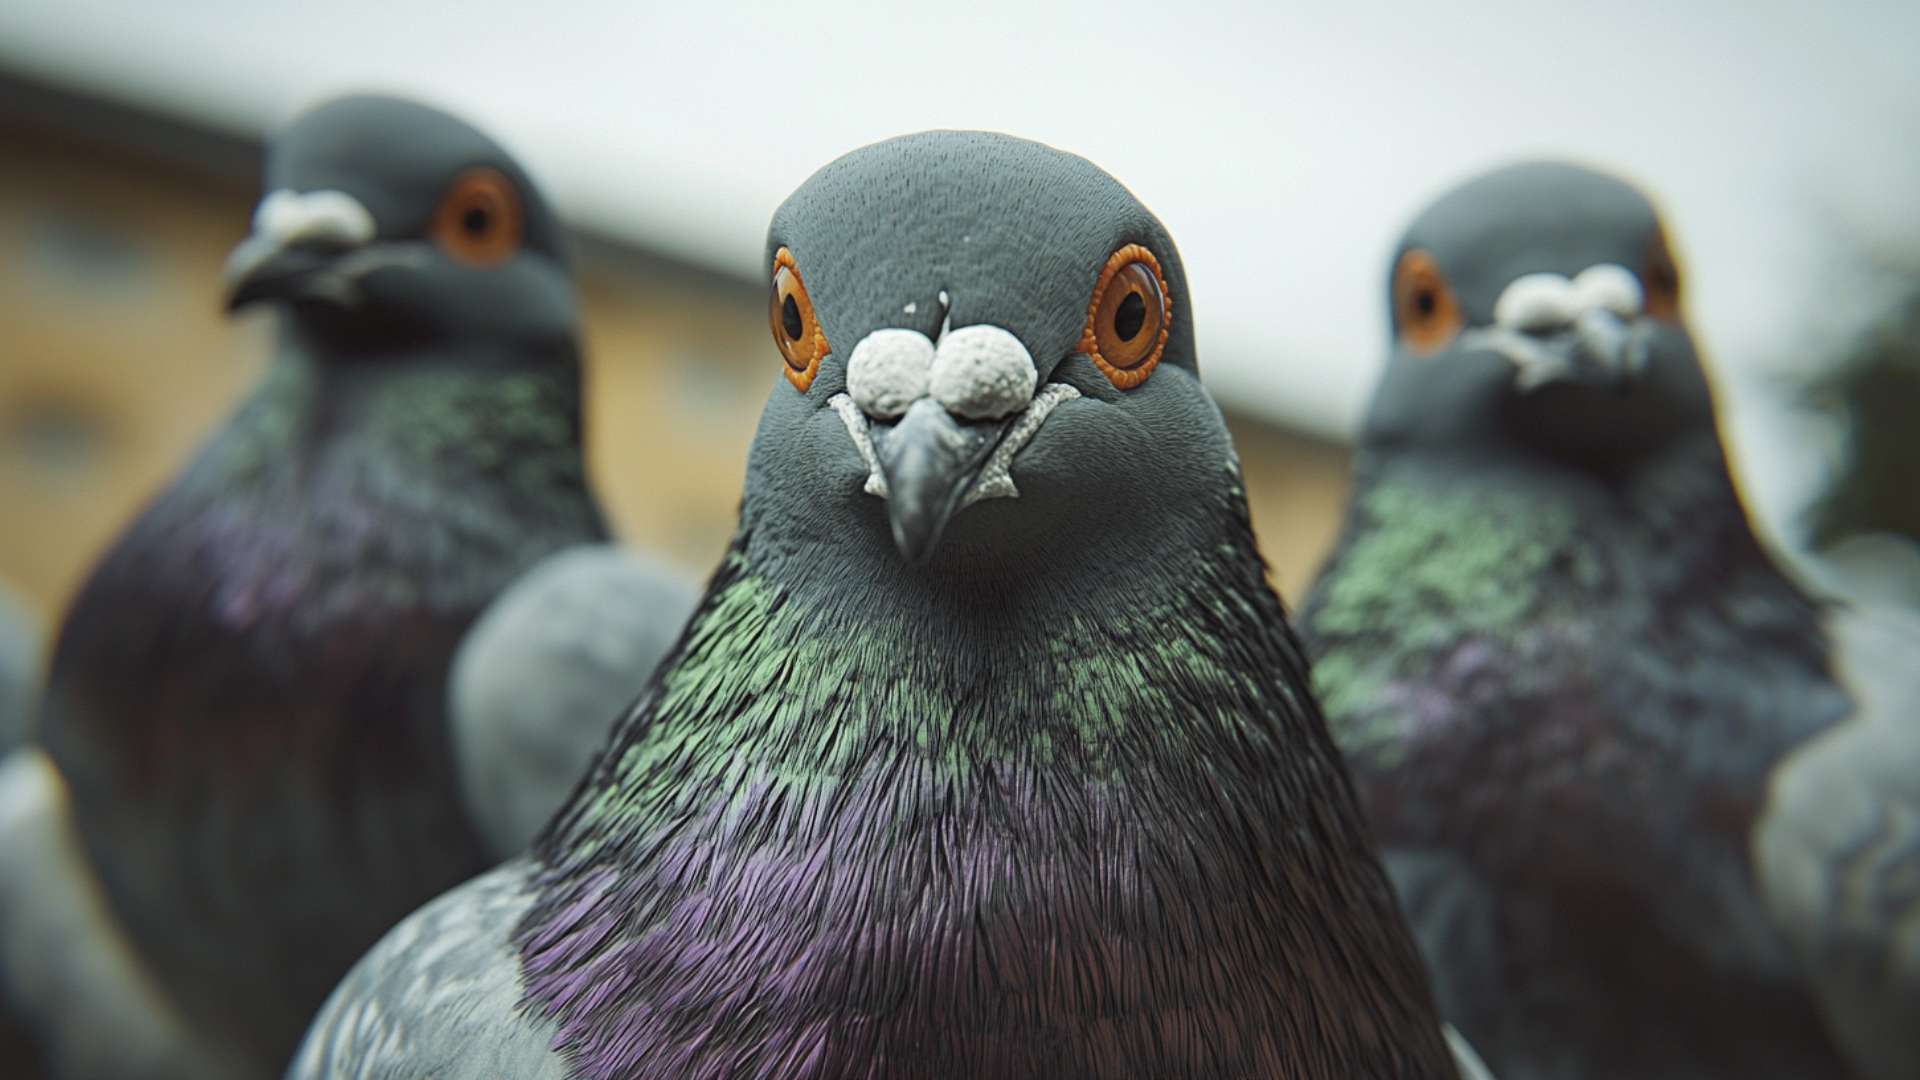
(115, 222)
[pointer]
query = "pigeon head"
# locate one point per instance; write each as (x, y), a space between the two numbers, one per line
(387, 223)
(1537, 309)
(986, 358)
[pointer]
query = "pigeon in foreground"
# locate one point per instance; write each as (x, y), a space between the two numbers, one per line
(1838, 848)
(1559, 661)
(988, 752)
(248, 702)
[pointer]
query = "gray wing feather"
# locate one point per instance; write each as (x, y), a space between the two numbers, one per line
(1838, 849)
(543, 675)
(67, 972)
(19, 669)
(438, 997)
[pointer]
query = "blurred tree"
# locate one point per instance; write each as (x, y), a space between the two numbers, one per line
(1874, 389)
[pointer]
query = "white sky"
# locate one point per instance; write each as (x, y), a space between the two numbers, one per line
(1285, 145)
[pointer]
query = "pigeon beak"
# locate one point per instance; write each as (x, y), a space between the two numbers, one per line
(296, 240)
(930, 459)
(1598, 349)
(1606, 350)
(264, 268)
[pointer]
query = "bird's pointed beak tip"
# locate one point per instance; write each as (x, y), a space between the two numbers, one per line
(262, 268)
(930, 460)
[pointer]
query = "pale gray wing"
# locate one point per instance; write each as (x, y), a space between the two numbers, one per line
(545, 672)
(1838, 848)
(68, 975)
(438, 998)
(19, 669)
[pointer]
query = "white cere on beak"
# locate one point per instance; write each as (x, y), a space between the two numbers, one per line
(1535, 302)
(1608, 287)
(983, 373)
(889, 370)
(978, 372)
(1594, 305)
(289, 217)
(1538, 303)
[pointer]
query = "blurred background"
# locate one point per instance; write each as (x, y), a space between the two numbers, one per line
(1284, 145)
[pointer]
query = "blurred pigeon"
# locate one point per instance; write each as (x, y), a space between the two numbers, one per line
(1558, 660)
(19, 678)
(19, 668)
(1838, 849)
(248, 704)
(988, 752)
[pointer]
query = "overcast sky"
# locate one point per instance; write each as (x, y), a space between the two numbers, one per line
(1284, 145)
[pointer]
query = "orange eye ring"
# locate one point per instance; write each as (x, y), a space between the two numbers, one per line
(796, 329)
(480, 220)
(1424, 307)
(1660, 281)
(1128, 318)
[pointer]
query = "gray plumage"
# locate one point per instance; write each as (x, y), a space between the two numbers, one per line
(19, 668)
(541, 677)
(429, 1001)
(1838, 849)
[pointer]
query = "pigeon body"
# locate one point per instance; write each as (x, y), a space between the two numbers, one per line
(1838, 848)
(249, 696)
(19, 669)
(988, 751)
(1559, 662)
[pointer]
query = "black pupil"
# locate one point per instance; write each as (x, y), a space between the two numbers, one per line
(1423, 301)
(1130, 316)
(790, 318)
(476, 220)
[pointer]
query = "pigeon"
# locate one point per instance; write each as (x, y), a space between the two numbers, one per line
(1557, 658)
(988, 751)
(1838, 847)
(249, 706)
(19, 669)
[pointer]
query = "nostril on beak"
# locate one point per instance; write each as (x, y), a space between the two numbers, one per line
(983, 372)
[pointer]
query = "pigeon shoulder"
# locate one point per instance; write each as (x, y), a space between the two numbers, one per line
(1842, 820)
(547, 669)
(20, 648)
(438, 997)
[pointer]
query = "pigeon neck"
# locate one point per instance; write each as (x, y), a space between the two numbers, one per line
(826, 791)
(832, 660)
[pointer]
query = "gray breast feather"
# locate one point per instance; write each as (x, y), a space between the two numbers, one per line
(1838, 849)
(19, 669)
(438, 997)
(543, 675)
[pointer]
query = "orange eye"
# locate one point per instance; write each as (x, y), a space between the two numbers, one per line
(796, 330)
(1128, 317)
(1424, 307)
(479, 220)
(1660, 278)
